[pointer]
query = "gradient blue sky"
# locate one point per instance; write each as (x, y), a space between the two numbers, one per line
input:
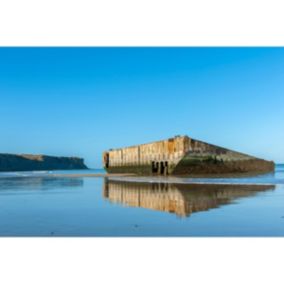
(82, 101)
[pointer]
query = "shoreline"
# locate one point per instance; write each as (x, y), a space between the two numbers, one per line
(169, 180)
(127, 177)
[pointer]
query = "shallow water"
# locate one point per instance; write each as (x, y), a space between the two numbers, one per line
(35, 204)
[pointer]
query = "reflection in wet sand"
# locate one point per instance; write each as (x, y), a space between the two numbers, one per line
(180, 199)
(39, 183)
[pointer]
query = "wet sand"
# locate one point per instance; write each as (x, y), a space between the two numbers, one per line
(90, 175)
(161, 179)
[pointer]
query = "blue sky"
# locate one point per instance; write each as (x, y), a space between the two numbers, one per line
(82, 101)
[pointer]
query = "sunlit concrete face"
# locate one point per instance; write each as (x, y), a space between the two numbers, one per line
(153, 158)
(181, 155)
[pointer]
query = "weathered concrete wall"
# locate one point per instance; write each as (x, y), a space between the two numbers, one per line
(10, 162)
(180, 199)
(202, 158)
(181, 156)
(144, 159)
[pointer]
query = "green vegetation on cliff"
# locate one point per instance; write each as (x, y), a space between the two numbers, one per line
(11, 162)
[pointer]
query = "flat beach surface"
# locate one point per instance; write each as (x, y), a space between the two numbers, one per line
(92, 203)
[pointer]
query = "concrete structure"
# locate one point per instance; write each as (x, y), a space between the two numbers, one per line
(181, 155)
(179, 199)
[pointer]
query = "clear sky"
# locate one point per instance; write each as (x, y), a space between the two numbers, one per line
(82, 101)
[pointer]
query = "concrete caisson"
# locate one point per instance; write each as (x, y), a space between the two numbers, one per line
(182, 155)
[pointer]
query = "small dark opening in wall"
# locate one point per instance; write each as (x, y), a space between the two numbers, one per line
(162, 168)
(154, 167)
(166, 168)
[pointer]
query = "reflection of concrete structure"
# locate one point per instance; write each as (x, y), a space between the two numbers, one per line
(181, 199)
(181, 155)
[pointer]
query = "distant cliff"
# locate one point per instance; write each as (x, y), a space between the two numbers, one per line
(10, 162)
